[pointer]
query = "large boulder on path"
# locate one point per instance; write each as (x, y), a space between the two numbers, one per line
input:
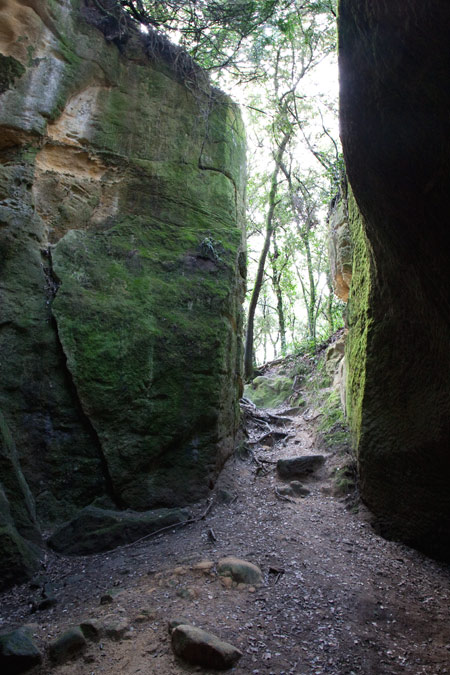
(93, 529)
(198, 647)
(18, 653)
(241, 571)
(299, 467)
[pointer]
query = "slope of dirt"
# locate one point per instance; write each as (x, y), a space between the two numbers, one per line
(336, 598)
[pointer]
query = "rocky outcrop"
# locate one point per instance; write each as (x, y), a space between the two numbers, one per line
(394, 71)
(340, 248)
(336, 367)
(121, 209)
(340, 255)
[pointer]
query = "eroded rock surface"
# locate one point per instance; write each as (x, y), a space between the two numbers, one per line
(340, 249)
(120, 287)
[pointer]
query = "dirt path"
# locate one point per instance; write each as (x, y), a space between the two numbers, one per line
(336, 597)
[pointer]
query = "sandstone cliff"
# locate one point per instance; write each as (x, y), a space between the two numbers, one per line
(121, 281)
(394, 73)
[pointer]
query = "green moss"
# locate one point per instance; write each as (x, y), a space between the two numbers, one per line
(345, 480)
(10, 71)
(146, 341)
(359, 319)
(147, 321)
(269, 392)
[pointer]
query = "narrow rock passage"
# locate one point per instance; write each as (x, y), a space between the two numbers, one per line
(336, 598)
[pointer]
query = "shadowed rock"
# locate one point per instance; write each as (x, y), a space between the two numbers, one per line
(67, 645)
(298, 467)
(395, 135)
(94, 529)
(18, 653)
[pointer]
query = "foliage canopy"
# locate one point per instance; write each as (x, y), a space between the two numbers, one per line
(214, 32)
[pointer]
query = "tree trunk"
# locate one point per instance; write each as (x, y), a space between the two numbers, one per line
(311, 305)
(270, 226)
(276, 283)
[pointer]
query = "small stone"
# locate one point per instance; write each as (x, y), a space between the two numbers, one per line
(18, 653)
(67, 645)
(109, 597)
(91, 629)
(46, 603)
(116, 631)
(240, 571)
(178, 621)
(198, 647)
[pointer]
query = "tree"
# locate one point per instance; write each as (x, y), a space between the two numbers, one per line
(278, 264)
(274, 45)
(270, 226)
(301, 46)
(216, 34)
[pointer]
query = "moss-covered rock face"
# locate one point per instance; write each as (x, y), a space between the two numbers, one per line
(121, 211)
(395, 66)
(270, 392)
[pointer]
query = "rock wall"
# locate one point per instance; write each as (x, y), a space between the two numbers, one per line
(121, 282)
(340, 250)
(394, 73)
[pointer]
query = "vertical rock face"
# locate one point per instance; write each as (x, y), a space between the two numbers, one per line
(340, 248)
(394, 71)
(121, 211)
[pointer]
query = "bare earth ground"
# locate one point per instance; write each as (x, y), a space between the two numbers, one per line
(336, 598)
